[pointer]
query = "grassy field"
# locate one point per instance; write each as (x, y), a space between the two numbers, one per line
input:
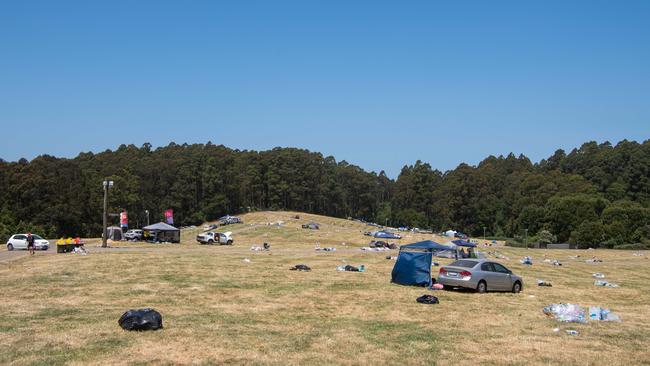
(218, 309)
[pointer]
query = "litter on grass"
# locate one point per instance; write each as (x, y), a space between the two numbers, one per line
(141, 319)
(598, 275)
(527, 260)
(571, 313)
(544, 283)
(427, 299)
(349, 268)
(606, 284)
(300, 267)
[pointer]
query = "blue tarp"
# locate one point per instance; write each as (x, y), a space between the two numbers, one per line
(413, 269)
(463, 243)
(425, 245)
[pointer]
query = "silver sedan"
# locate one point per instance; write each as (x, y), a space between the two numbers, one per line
(481, 275)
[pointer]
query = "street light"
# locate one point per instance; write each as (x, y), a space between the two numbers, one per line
(147, 212)
(526, 238)
(107, 184)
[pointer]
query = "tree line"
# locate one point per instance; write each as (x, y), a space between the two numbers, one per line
(598, 194)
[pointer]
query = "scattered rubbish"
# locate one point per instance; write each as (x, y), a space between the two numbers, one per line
(369, 249)
(606, 284)
(598, 275)
(638, 254)
(391, 257)
(556, 262)
(427, 299)
(141, 319)
(300, 267)
(319, 249)
(246, 260)
(256, 248)
(349, 268)
(556, 330)
(435, 264)
(527, 260)
(79, 250)
(436, 287)
(594, 260)
(568, 313)
(574, 257)
(531, 296)
(571, 313)
(602, 314)
(572, 332)
(267, 246)
(544, 283)
(498, 255)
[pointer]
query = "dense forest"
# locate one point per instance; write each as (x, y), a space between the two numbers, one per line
(596, 195)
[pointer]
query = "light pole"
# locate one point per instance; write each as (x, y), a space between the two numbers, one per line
(147, 212)
(526, 238)
(107, 184)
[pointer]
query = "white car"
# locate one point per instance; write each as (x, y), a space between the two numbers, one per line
(19, 241)
(215, 238)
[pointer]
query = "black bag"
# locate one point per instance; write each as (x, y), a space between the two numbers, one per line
(427, 299)
(141, 319)
(350, 268)
(300, 267)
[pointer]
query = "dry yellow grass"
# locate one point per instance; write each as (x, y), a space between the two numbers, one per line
(63, 309)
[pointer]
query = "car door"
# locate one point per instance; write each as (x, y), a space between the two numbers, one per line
(491, 277)
(504, 278)
(19, 242)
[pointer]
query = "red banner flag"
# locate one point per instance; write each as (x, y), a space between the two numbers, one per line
(169, 216)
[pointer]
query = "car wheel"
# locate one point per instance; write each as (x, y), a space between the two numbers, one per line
(482, 287)
(10, 247)
(210, 241)
(516, 288)
(229, 242)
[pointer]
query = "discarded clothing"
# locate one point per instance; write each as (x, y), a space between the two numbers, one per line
(606, 284)
(300, 267)
(527, 260)
(427, 299)
(544, 283)
(594, 260)
(141, 319)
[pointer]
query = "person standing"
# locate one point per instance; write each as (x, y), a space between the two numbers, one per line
(30, 243)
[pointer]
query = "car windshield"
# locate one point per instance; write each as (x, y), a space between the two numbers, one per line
(37, 237)
(464, 264)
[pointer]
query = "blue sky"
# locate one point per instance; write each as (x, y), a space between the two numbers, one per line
(379, 84)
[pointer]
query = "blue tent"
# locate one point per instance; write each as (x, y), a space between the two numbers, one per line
(413, 266)
(463, 243)
(386, 235)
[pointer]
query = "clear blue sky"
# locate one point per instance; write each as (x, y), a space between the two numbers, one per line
(379, 84)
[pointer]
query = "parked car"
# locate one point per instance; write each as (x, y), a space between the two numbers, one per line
(212, 237)
(481, 275)
(227, 220)
(134, 234)
(311, 225)
(19, 241)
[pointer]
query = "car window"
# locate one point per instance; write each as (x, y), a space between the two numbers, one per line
(37, 237)
(463, 263)
(20, 237)
(487, 266)
(500, 268)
